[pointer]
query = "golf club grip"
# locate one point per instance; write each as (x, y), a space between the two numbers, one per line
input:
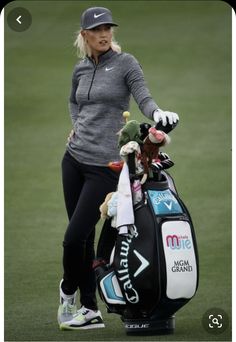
(131, 163)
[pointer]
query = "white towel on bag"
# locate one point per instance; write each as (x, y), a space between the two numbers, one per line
(125, 213)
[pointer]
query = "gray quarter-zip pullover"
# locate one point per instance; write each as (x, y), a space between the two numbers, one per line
(99, 96)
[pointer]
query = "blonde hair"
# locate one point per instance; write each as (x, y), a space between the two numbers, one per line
(84, 50)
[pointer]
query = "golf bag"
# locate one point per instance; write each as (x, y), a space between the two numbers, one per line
(153, 268)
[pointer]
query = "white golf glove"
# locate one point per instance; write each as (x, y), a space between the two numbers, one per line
(165, 117)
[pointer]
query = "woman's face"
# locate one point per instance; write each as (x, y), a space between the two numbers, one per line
(98, 38)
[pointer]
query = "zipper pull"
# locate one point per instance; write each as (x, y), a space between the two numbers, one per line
(145, 197)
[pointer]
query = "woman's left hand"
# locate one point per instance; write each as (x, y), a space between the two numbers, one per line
(70, 135)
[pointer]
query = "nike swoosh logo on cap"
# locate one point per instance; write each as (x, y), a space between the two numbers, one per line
(98, 15)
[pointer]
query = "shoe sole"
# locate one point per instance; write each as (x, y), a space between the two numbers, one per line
(86, 327)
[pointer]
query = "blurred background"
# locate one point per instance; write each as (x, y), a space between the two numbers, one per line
(184, 48)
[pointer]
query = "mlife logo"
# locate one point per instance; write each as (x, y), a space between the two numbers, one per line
(178, 242)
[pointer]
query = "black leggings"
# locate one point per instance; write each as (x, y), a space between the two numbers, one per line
(85, 188)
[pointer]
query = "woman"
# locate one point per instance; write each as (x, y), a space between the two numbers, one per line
(101, 87)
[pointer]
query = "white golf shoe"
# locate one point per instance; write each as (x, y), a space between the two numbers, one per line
(84, 319)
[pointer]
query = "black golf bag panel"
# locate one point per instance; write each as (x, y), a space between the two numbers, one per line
(130, 283)
(136, 263)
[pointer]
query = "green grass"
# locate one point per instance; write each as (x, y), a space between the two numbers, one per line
(185, 51)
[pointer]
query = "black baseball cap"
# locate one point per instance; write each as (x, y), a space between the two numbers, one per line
(96, 16)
